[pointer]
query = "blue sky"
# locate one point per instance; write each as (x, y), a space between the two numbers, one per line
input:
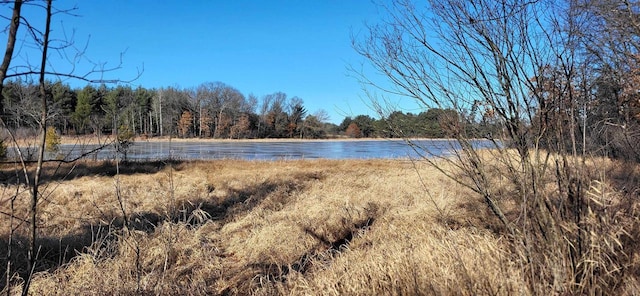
(302, 48)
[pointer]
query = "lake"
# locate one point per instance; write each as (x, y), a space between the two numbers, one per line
(269, 150)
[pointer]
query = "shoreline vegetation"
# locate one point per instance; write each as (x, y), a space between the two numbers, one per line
(66, 140)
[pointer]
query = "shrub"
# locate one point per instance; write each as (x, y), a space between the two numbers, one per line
(52, 141)
(125, 140)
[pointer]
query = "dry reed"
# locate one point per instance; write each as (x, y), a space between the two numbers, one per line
(312, 227)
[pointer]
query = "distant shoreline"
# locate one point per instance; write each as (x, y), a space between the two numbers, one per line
(69, 140)
(106, 140)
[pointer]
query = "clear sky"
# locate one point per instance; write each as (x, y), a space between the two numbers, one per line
(302, 48)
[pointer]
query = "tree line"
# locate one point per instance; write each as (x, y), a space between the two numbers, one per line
(431, 123)
(605, 120)
(210, 110)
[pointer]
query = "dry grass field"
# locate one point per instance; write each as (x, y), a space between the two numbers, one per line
(232, 227)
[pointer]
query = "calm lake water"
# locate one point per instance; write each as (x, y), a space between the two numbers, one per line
(276, 150)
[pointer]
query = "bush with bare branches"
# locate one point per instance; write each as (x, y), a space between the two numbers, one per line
(523, 63)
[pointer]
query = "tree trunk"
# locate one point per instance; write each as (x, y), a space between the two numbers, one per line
(8, 54)
(160, 107)
(43, 127)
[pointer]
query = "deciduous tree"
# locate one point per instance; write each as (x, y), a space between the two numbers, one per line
(353, 131)
(241, 128)
(519, 61)
(185, 123)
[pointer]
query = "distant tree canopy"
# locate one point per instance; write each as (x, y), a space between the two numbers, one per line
(427, 124)
(210, 110)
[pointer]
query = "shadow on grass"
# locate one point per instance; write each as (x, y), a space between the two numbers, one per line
(328, 247)
(54, 252)
(52, 171)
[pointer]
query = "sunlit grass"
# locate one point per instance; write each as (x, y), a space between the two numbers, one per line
(303, 227)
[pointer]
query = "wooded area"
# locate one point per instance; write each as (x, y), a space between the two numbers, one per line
(211, 110)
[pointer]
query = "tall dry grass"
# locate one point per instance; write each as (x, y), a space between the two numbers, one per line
(231, 227)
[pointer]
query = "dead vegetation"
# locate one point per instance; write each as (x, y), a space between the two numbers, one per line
(321, 227)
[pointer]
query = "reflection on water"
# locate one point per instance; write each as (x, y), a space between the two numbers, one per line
(250, 150)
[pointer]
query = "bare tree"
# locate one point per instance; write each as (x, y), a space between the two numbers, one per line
(610, 38)
(275, 117)
(315, 126)
(224, 103)
(21, 105)
(517, 62)
(40, 39)
(157, 110)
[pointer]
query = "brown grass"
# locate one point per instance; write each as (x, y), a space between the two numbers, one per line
(231, 227)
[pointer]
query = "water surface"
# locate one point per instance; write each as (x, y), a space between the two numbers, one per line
(269, 150)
